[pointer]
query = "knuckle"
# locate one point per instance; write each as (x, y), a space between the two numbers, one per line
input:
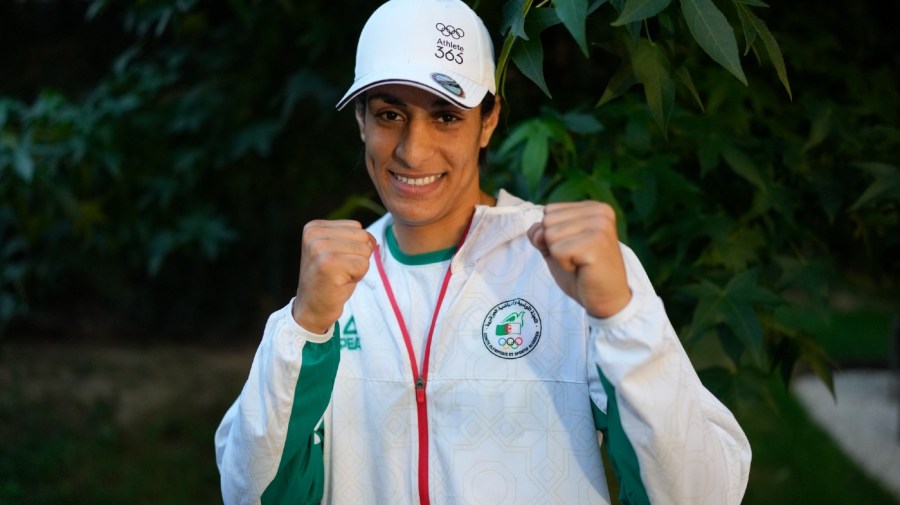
(606, 210)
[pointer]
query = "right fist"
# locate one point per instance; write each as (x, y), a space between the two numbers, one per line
(335, 257)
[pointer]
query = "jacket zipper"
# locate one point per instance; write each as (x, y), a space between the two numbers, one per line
(422, 421)
(419, 380)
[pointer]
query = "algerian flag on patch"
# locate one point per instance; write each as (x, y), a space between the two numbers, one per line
(512, 325)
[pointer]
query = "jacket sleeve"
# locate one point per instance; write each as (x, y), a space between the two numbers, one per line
(269, 444)
(669, 439)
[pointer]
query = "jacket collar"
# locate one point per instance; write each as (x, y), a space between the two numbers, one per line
(492, 227)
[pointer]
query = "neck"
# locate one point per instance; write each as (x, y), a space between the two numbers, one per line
(422, 239)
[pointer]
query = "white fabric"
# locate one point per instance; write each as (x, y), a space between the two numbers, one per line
(441, 46)
(501, 430)
(416, 288)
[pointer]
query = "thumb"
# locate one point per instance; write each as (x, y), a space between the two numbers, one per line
(536, 237)
(564, 279)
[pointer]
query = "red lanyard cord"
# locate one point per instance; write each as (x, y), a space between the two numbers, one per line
(420, 379)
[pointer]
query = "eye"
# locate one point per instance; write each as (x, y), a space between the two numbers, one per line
(448, 118)
(389, 115)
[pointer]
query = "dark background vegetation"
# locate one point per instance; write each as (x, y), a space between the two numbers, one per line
(159, 158)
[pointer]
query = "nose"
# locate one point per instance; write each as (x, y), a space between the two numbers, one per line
(416, 145)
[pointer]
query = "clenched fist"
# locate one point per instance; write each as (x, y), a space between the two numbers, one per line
(335, 257)
(580, 243)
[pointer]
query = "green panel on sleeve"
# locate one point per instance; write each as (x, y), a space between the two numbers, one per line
(621, 453)
(301, 473)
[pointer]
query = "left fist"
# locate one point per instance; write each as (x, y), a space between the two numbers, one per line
(580, 243)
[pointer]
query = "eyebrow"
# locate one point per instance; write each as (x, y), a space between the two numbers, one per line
(394, 100)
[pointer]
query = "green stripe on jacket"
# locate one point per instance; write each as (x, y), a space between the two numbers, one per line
(621, 453)
(301, 473)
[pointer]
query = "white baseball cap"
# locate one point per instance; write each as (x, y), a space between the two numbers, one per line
(441, 46)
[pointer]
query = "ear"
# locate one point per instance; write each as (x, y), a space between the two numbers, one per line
(360, 113)
(489, 123)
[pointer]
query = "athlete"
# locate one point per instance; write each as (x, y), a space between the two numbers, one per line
(467, 348)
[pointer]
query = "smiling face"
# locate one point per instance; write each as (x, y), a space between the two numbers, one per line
(422, 155)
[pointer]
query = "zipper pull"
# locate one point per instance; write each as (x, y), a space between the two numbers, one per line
(420, 389)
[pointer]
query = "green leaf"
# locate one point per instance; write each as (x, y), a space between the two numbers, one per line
(749, 30)
(573, 14)
(754, 3)
(94, 8)
(736, 250)
(5, 106)
(541, 19)
(571, 189)
(535, 135)
(205, 229)
(618, 84)
(645, 195)
(23, 163)
(256, 137)
(706, 313)
(529, 59)
(817, 359)
(633, 28)
(708, 155)
(684, 76)
(513, 25)
(513, 19)
(159, 247)
(651, 70)
(582, 123)
(743, 166)
(534, 157)
(732, 345)
(518, 135)
(885, 186)
(733, 306)
(714, 34)
(595, 5)
(819, 129)
(503, 63)
(638, 10)
(759, 26)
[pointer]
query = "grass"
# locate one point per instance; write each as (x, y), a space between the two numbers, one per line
(52, 458)
(859, 337)
(795, 462)
(85, 427)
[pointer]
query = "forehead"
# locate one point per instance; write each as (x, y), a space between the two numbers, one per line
(408, 96)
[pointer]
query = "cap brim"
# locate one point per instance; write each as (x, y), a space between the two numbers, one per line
(458, 90)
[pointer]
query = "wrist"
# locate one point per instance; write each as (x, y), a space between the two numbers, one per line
(606, 308)
(308, 323)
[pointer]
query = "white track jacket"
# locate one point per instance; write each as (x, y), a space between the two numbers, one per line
(522, 389)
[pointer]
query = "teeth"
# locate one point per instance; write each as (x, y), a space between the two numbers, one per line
(418, 182)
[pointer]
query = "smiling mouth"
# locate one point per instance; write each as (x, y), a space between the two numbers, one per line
(417, 181)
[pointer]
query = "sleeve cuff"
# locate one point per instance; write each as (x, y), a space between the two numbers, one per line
(620, 317)
(303, 333)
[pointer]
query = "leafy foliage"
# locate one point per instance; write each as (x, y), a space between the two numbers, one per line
(646, 54)
(749, 215)
(174, 188)
(186, 149)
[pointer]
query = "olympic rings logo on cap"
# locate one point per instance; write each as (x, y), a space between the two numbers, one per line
(450, 31)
